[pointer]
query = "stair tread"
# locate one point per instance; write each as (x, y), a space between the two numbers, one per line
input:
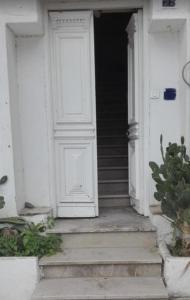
(113, 196)
(113, 168)
(100, 288)
(112, 180)
(109, 220)
(113, 156)
(104, 256)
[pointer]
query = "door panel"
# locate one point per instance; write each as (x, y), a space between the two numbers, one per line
(72, 103)
(74, 177)
(134, 30)
(74, 113)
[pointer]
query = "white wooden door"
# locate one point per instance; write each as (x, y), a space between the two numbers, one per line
(134, 30)
(74, 113)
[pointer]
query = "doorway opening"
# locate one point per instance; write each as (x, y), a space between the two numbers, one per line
(111, 66)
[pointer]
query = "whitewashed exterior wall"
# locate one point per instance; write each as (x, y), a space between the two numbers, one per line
(18, 276)
(25, 134)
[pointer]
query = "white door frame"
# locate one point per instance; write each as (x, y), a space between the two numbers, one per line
(135, 55)
(112, 5)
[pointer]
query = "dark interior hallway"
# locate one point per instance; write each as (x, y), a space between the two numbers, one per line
(111, 93)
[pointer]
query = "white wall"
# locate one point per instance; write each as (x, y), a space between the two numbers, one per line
(33, 122)
(15, 120)
(165, 115)
(18, 277)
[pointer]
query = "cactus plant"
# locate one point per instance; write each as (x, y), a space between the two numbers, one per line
(2, 181)
(172, 179)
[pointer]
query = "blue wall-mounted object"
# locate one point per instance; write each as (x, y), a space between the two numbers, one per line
(170, 94)
(168, 3)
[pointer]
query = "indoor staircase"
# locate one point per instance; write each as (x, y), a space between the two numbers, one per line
(112, 143)
(110, 257)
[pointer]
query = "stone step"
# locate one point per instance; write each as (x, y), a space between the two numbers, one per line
(109, 150)
(109, 239)
(114, 201)
(111, 161)
(111, 172)
(113, 187)
(114, 288)
(114, 226)
(102, 262)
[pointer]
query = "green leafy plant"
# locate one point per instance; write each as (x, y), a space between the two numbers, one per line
(172, 180)
(28, 240)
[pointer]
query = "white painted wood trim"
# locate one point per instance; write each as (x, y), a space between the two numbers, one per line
(93, 5)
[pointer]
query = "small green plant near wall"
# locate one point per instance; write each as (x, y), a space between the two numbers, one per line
(172, 180)
(19, 238)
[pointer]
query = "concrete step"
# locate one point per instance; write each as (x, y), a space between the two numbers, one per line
(113, 187)
(112, 161)
(111, 172)
(115, 288)
(109, 150)
(102, 262)
(100, 239)
(114, 226)
(114, 201)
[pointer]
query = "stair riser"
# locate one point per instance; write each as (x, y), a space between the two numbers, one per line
(112, 141)
(111, 131)
(110, 239)
(113, 174)
(111, 105)
(114, 202)
(112, 123)
(102, 270)
(113, 188)
(108, 162)
(111, 112)
(112, 150)
(107, 115)
(110, 94)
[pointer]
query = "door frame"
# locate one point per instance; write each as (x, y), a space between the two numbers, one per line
(114, 6)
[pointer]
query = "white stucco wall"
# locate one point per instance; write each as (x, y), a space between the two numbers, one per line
(26, 88)
(33, 118)
(165, 71)
(15, 120)
(18, 277)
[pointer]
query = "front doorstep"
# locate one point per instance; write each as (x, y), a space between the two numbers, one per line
(18, 277)
(176, 273)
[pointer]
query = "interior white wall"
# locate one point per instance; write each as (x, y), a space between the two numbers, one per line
(33, 122)
(15, 120)
(165, 115)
